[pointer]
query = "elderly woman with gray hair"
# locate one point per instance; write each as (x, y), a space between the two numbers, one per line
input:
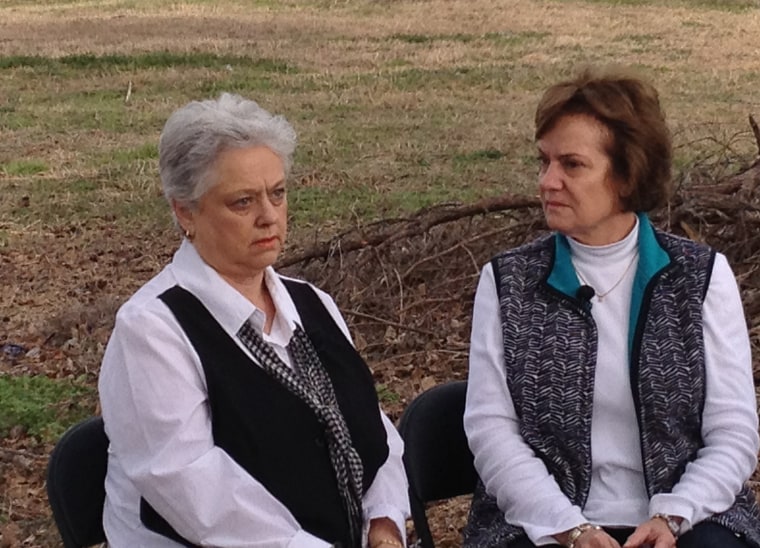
(238, 411)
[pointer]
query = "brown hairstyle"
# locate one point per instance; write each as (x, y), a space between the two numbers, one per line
(640, 147)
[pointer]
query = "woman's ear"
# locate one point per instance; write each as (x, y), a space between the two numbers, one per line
(184, 215)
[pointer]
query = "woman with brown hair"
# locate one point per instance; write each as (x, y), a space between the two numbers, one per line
(610, 400)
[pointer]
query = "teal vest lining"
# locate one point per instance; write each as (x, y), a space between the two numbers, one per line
(652, 259)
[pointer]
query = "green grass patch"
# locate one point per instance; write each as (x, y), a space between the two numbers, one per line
(96, 110)
(147, 60)
(15, 119)
(398, 63)
(146, 151)
(499, 38)
(243, 83)
(23, 167)
(386, 395)
(418, 79)
(501, 76)
(440, 191)
(722, 5)
(43, 407)
(414, 38)
(477, 156)
(515, 38)
(315, 205)
(148, 5)
(639, 39)
(83, 185)
(16, 3)
(125, 193)
(149, 210)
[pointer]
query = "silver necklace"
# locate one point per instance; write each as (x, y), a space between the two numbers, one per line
(601, 295)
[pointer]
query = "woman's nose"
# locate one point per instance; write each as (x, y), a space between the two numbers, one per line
(550, 178)
(267, 213)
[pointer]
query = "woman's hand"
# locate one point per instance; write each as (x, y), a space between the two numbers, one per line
(590, 538)
(654, 533)
(383, 533)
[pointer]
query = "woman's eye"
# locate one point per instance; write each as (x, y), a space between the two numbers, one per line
(279, 193)
(242, 202)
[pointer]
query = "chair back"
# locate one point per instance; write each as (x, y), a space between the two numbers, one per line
(76, 483)
(437, 457)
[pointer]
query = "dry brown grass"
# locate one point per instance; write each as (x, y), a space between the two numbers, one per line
(705, 62)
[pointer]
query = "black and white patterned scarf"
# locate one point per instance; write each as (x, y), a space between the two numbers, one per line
(309, 381)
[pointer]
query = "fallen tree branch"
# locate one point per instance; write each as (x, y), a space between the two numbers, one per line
(412, 226)
(755, 132)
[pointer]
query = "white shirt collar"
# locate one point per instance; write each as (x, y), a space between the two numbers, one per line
(228, 306)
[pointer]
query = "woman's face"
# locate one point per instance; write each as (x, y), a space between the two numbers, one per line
(576, 182)
(240, 223)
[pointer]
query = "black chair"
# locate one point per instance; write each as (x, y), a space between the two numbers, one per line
(75, 483)
(437, 458)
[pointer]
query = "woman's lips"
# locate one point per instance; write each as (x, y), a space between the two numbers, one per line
(552, 204)
(266, 242)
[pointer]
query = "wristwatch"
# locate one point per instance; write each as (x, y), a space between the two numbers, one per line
(673, 525)
(577, 531)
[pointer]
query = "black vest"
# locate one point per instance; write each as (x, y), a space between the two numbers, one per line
(272, 433)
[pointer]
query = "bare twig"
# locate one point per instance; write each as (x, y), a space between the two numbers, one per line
(391, 323)
(755, 132)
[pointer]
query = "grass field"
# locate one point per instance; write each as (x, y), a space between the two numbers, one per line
(398, 105)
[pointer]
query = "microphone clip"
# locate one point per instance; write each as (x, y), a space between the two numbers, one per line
(584, 294)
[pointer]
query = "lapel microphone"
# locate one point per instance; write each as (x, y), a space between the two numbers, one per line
(585, 293)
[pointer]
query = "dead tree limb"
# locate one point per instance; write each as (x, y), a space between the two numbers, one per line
(414, 225)
(755, 132)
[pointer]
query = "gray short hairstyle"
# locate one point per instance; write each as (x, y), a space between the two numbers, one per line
(195, 135)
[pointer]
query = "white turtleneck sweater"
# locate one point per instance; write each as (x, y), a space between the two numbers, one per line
(529, 495)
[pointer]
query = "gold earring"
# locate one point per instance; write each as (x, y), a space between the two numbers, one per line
(188, 234)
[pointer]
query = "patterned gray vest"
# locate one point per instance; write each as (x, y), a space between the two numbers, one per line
(550, 355)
